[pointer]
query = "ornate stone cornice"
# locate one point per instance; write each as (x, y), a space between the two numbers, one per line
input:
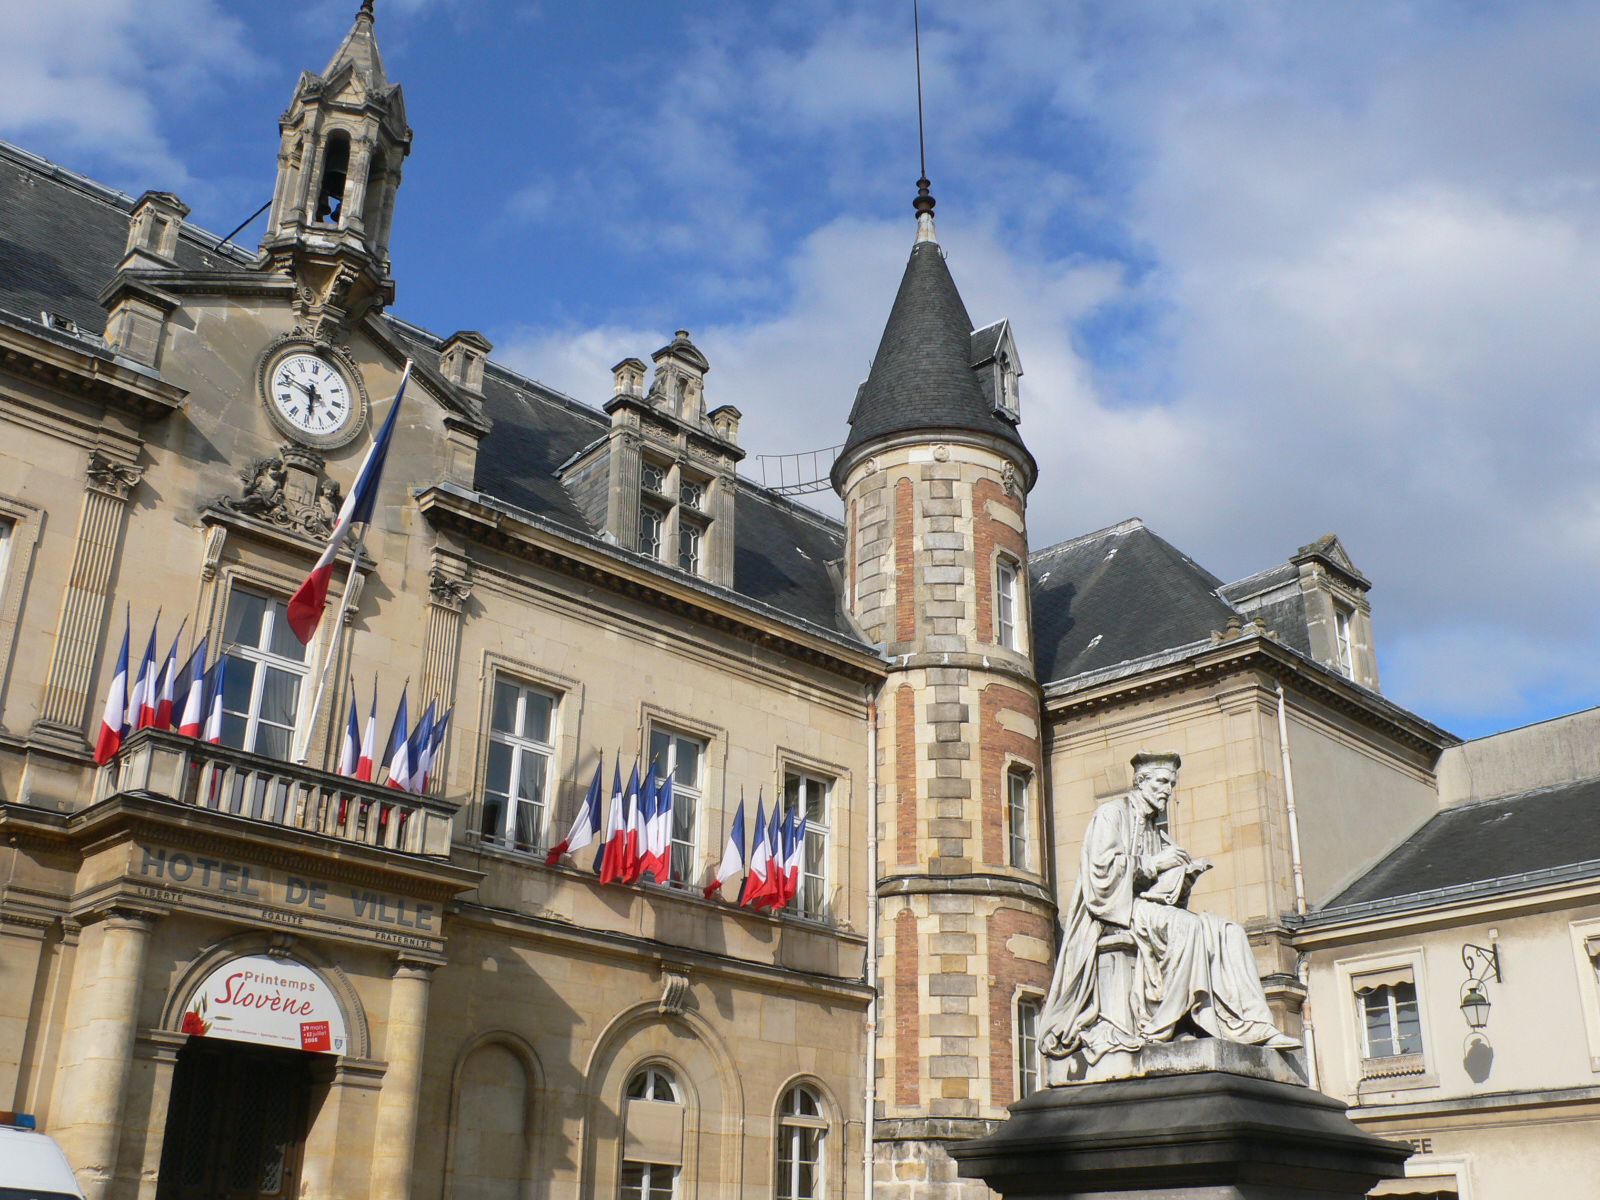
(524, 536)
(73, 367)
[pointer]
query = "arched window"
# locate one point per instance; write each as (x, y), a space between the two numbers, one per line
(801, 1130)
(335, 167)
(653, 1141)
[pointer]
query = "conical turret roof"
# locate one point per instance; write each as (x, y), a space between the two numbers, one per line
(922, 377)
(360, 49)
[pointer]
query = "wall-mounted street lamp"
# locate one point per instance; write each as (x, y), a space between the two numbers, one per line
(1479, 961)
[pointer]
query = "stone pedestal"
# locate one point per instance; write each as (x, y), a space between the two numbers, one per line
(1201, 1120)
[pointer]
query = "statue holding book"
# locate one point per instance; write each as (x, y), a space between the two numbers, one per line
(1136, 965)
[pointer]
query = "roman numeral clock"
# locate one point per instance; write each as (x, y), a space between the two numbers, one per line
(313, 392)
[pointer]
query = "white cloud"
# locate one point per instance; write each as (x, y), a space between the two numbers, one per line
(94, 74)
(1360, 248)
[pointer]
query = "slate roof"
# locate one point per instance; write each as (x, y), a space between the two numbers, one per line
(1487, 840)
(62, 235)
(1118, 594)
(922, 375)
(1285, 616)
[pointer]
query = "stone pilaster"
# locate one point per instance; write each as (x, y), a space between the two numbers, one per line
(90, 1113)
(83, 608)
(395, 1128)
(449, 589)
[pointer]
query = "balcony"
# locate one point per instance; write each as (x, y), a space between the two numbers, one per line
(170, 766)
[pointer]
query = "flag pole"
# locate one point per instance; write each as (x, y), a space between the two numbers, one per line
(333, 645)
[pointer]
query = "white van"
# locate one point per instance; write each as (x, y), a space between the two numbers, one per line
(32, 1166)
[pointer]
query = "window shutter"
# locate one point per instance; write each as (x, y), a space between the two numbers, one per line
(654, 1132)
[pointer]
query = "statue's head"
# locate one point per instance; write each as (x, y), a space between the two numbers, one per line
(1155, 778)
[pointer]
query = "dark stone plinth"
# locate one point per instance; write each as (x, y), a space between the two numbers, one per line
(1202, 1135)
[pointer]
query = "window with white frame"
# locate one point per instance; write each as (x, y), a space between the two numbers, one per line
(517, 782)
(1005, 606)
(1391, 1025)
(652, 477)
(810, 793)
(683, 758)
(1019, 782)
(692, 493)
(265, 675)
(1341, 631)
(802, 1129)
(651, 1129)
(1027, 1046)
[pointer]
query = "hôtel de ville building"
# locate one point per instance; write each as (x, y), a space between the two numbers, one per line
(588, 582)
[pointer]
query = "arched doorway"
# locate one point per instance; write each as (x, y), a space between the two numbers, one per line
(244, 1082)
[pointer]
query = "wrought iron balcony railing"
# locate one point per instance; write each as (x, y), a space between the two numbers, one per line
(222, 779)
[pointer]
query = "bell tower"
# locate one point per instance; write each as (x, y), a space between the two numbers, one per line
(935, 477)
(344, 137)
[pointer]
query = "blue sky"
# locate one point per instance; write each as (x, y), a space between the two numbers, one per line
(1275, 269)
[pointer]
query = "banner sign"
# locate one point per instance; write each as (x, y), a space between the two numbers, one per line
(269, 1001)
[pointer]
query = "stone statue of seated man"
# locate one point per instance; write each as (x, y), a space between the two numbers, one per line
(1136, 966)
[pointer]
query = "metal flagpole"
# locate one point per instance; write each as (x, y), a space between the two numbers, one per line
(333, 645)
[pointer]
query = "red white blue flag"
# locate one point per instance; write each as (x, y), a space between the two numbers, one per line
(193, 713)
(757, 881)
(417, 752)
(114, 721)
(622, 836)
(369, 738)
(218, 674)
(167, 688)
(305, 606)
(397, 753)
(794, 841)
(142, 700)
(350, 748)
(614, 819)
(733, 856)
(586, 825)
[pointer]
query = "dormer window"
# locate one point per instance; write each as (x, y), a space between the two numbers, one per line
(1010, 402)
(692, 494)
(652, 524)
(1341, 632)
(690, 537)
(653, 477)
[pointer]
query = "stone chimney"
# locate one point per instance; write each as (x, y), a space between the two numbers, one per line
(462, 357)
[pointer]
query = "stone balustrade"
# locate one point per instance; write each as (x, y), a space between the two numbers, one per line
(220, 778)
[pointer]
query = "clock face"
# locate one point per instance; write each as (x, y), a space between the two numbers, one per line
(311, 395)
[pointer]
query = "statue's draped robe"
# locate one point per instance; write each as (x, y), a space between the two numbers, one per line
(1189, 964)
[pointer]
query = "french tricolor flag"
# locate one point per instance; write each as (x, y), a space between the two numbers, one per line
(193, 714)
(399, 750)
(794, 841)
(167, 688)
(305, 606)
(113, 723)
(622, 833)
(732, 857)
(614, 820)
(369, 738)
(755, 883)
(142, 703)
(350, 748)
(213, 726)
(586, 825)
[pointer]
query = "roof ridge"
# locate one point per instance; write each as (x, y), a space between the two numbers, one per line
(1127, 525)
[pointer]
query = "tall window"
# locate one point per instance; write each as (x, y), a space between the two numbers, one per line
(5, 552)
(517, 782)
(1027, 1047)
(1006, 603)
(642, 1180)
(690, 537)
(266, 671)
(692, 494)
(1018, 784)
(651, 523)
(1341, 632)
(810, 794)
(1390, 1023)
(682, 758)
(801, 1130)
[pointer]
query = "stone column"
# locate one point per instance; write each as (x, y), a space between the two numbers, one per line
(395, 1135)
(83, 608)
(94, 1096)
(449, 589)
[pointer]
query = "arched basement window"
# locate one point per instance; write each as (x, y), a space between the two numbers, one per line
(335, 167)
